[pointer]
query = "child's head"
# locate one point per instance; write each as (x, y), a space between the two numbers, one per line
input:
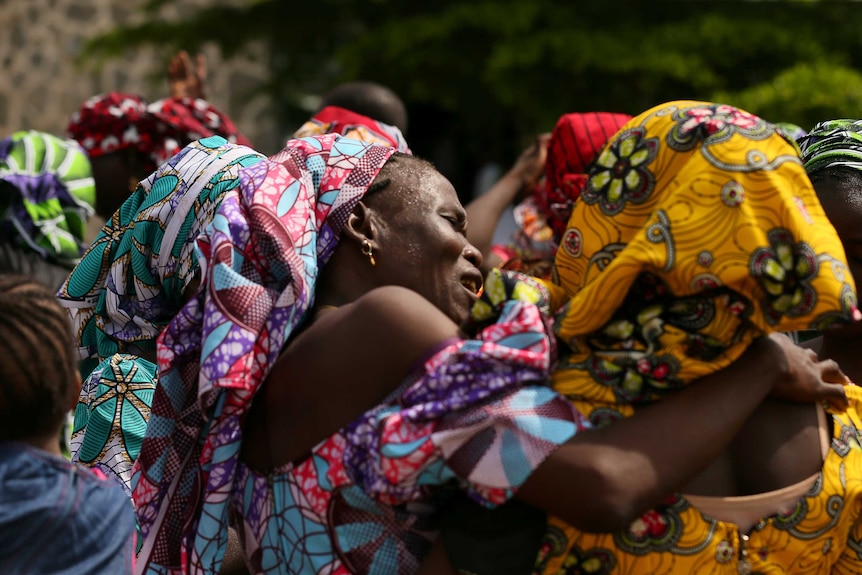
(39, 379)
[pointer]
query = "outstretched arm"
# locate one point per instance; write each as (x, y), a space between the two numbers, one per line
(187, 80)
(484, 212)
(603, 479)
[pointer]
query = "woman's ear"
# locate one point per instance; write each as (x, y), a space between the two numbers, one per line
(360, 224)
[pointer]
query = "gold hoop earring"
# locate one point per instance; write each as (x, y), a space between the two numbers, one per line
(366, 251)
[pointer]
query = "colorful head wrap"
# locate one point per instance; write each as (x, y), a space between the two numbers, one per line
(542, 216)
(791, 131)
(46, 195)
(115, 121)
(697, 231)
(335, 120)
(575, 142)
(260, 257)
(131, 281)
(832, 144)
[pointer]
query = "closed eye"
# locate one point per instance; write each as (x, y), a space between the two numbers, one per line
(458, 222)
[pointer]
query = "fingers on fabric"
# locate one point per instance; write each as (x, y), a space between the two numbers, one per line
(832, 388)
(831, 372)
(809, 380)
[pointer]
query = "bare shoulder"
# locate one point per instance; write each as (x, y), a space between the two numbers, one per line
(389, 321)
(401, 311)
(344, 362)
(373, 342)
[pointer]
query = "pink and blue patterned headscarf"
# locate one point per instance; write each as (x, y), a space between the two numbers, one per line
(260, 258)
(129, 285)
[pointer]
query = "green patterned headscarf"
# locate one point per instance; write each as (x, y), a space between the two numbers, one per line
(47, 195)
(833, 144)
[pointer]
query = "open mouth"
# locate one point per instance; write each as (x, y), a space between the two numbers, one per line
(471, 284)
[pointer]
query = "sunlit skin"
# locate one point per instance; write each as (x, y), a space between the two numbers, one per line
(423, 244)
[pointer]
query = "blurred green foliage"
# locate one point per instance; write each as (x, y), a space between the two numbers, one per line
(486, 74)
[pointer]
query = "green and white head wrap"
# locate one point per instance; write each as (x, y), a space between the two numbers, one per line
(833, 144)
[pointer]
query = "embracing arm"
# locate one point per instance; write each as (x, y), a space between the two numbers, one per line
(484, 212)
(343, 364)
(603, 479)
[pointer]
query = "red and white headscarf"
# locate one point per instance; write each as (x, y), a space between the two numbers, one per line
(575, 142)
(115, 121)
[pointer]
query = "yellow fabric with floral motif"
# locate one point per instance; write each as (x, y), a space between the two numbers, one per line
(698, 231)
(823, 534)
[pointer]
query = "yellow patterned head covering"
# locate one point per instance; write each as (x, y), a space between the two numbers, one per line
(698, 231)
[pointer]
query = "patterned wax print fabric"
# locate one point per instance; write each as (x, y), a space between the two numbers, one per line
(111, 416)
(697, 231)
(260, 259)
(47, 195)
(822, 533)
(57, 517)
(363, 500)
(833, 144)
(335, 120)
(132, 280)
(791, 131)
(575, 142)
(541, 218)
(115, 121)
(128, 286)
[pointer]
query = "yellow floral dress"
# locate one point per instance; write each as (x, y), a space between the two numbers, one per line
(823, 533)
(697, 232)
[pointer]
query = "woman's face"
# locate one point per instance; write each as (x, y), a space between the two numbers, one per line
(843, 207)
(842, 202)
(421, 229)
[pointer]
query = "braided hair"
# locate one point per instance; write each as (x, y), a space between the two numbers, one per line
(38, 373)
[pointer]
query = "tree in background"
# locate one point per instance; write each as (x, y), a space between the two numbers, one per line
(481, 76)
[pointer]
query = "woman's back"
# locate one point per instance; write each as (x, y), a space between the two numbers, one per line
(778, 447)
(344, 362)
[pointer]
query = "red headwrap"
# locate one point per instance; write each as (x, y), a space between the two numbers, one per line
(575, 142)
(335, 120)
(114, 121)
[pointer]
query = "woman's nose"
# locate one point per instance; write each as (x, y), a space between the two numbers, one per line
(473, 255)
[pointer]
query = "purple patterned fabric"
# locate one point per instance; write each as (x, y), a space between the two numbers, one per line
(260, 259)
(476, 416)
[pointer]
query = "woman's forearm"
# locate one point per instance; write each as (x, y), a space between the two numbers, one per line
(484, 212)
(603, 479)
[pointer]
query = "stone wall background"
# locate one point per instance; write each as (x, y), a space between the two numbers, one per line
(43, 84)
